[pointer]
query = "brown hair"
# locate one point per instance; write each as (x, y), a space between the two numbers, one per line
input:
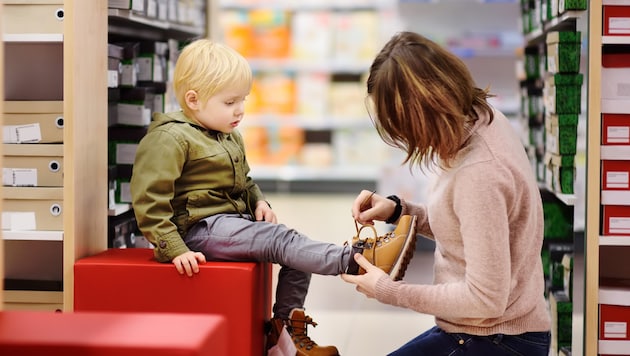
(424, 97)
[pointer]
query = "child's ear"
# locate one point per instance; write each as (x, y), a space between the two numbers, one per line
(192, 101)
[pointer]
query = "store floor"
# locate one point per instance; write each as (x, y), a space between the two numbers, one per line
(347, 319)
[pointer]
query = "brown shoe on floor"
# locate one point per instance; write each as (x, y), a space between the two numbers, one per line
(296, 327)
(391, 252)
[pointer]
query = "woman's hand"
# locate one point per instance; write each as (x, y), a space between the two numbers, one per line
(366, 283)
(263, 212)
(368, 207)
(188, 262)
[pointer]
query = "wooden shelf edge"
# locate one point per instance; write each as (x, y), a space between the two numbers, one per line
(613, 347)
(610, 240)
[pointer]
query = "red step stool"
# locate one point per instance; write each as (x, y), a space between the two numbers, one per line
(112, 334)
(131, 280)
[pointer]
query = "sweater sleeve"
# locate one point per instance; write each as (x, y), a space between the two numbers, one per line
(478, 284)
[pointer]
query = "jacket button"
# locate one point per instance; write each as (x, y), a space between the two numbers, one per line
(162, 244)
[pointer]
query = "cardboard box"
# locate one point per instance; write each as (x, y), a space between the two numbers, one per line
(615, 82)
(560, 172)
(561, 134)
(33, 18)
(563, 51)
(616, 220)
(32, 165)
(615, 175)
(616, 20)
(616, 129)
(614, 313)
(563, 93)
(33, 128)
(32, 208)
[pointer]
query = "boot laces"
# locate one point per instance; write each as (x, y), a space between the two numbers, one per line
(300, 335)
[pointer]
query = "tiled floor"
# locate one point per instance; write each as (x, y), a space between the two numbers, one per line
(346, 318)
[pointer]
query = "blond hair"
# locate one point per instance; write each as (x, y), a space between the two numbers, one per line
(208, 67)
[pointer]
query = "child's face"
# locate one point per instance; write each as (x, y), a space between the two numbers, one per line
(223, 111)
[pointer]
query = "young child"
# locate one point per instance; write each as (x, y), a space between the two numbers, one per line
(194, 200)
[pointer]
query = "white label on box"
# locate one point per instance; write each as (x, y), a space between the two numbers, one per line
(617, 180)
(126, 153)
(618, 134)
(112, 78)
(619, 25)
(125, 192)
(619, 225)
(30, 133)
(615, 329)
(17, 220)
(19, 177)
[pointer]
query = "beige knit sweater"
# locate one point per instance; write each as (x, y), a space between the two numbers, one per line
(485, 215)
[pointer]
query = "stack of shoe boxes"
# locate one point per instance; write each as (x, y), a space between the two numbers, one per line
(551, 105)
(141, 57)
(614, 293)
(141, 68)
(33, 163)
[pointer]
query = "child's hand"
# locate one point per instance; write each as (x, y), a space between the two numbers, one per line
(188, 262)
(264, 213)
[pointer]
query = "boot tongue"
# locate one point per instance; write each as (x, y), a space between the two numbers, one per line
(297, 319)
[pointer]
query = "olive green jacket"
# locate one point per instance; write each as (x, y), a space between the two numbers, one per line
(183, 173)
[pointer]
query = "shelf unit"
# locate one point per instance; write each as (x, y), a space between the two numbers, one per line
(130, 27)
(312, 139)
(83, 38)
(606, 262)
(1, 158)
(551, 49)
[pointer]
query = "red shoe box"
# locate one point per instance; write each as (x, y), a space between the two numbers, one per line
(615, 81)
(615, 175)
(616, 20)
(615, 129)
(616, 220)
(614, 318)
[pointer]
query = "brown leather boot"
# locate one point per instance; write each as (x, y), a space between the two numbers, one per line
(296, 327)
(391, 252)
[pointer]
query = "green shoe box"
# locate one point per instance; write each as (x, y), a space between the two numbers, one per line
(563, 93)
(560, 173)
(573, 5)
(561, 309)
(563, 51)
(561, 134)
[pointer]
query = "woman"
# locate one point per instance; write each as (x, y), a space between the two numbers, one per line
(484, 211)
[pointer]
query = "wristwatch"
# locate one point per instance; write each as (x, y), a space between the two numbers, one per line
(396, 214)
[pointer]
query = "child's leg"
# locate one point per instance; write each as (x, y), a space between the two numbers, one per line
(232, 238)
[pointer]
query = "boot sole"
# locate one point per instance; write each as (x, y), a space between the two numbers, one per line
(400, 267)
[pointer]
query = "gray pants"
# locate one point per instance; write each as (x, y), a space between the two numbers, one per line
(229, 237)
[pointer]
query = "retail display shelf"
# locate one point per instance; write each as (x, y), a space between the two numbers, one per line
(118, 209)
(33, 37)
(307, 122)
(567, 199)
(615, 152)
(615, 197)
(125, 22)
(36, 235)
(336, 173)
(609, 240)
(615, 39)
(296, 65)
(307, 5)
(557, 23)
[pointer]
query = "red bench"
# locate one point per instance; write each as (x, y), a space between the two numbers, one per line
(130, 280)
(112, 334)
